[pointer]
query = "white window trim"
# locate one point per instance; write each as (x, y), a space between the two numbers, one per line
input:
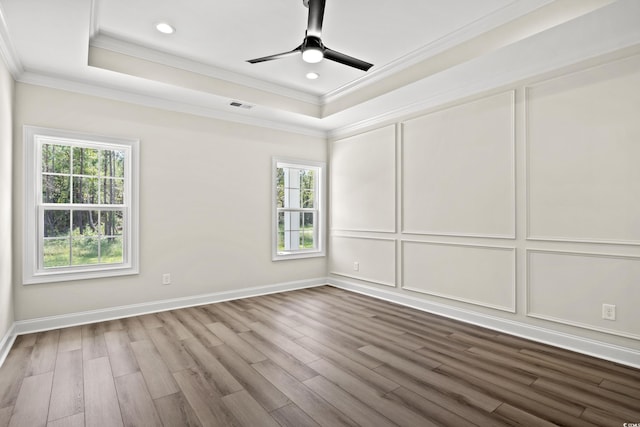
(321, 198)
(32, 273)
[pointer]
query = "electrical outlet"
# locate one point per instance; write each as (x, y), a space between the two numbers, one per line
(166, 279)
(356, 266)
(609, 311)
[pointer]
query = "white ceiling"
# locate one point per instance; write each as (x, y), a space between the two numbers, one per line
(111, 48)
(224, 34)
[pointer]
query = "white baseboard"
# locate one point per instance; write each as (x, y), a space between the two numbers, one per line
(623, 355)
(602, 350)
(85, 317)
(6, 343)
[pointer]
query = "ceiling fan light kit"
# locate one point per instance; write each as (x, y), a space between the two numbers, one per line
(312, 48)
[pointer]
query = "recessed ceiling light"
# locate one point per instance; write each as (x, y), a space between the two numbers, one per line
(165, 28)
(312, 76)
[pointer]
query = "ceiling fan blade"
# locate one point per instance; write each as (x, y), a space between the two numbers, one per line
(316, 15)
(332, 55)
(276, 56)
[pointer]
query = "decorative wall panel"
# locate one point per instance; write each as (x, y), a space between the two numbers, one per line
(363, 180)
(584, 154)
(458, 170)
(375, 258)
(570, 288)
(482, 275)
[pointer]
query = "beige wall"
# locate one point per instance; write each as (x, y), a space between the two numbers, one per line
(521, 204)
(6, 285)
(205, 203)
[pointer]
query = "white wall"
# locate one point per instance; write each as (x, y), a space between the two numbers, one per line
(205, 203)
(6, 191)
(520, 204)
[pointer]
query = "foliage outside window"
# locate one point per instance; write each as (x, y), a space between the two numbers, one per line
(81, 206)
(298, 194)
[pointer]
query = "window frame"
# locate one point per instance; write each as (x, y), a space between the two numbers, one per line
(320, 197)
(34, 271)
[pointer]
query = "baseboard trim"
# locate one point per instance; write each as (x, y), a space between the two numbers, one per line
(618, 354)
(7, 343)
(81, 318)
(623, 355)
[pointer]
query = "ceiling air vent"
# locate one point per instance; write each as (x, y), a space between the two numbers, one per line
(241, 105)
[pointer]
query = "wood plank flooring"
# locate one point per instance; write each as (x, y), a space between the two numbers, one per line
(314, 357)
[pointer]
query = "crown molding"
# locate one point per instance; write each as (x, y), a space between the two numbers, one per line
(499, 17)
(7, 51)
(622, 41)
(38, 78)
(111, 42)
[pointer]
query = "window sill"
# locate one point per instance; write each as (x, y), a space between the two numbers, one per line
(283, 256)
(67, 276)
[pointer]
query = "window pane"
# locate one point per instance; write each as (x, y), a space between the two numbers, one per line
(112, 163)
(308, 232)
(280, 187)
(292, 198)
(111, 250)
(307, 179)
(306, 240)
(291, 178)
(308, 199)
(281, 241)
(56, 253)
(112, 191)
(85, 223)
(84, 250)
(55, 158)
(111, 223)
(292, 221)
(289, 230)
(85, 161)
(55, 189)
(281, 221)
(56, 223)
(85, 190)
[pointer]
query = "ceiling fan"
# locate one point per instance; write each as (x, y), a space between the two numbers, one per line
(312, 48)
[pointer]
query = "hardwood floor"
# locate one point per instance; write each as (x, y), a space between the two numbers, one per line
(312, 357)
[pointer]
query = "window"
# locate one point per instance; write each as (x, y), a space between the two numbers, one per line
(298, 209)
(81, 206)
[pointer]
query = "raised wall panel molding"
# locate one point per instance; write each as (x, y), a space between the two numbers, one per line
(452, 274)
(363, 279)
(579, 241)
(619, 354)
(481, 236)
(365, 167)
(361, 230)
(579, 294)
(376, 267)
(460, 180)
(581, 145)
